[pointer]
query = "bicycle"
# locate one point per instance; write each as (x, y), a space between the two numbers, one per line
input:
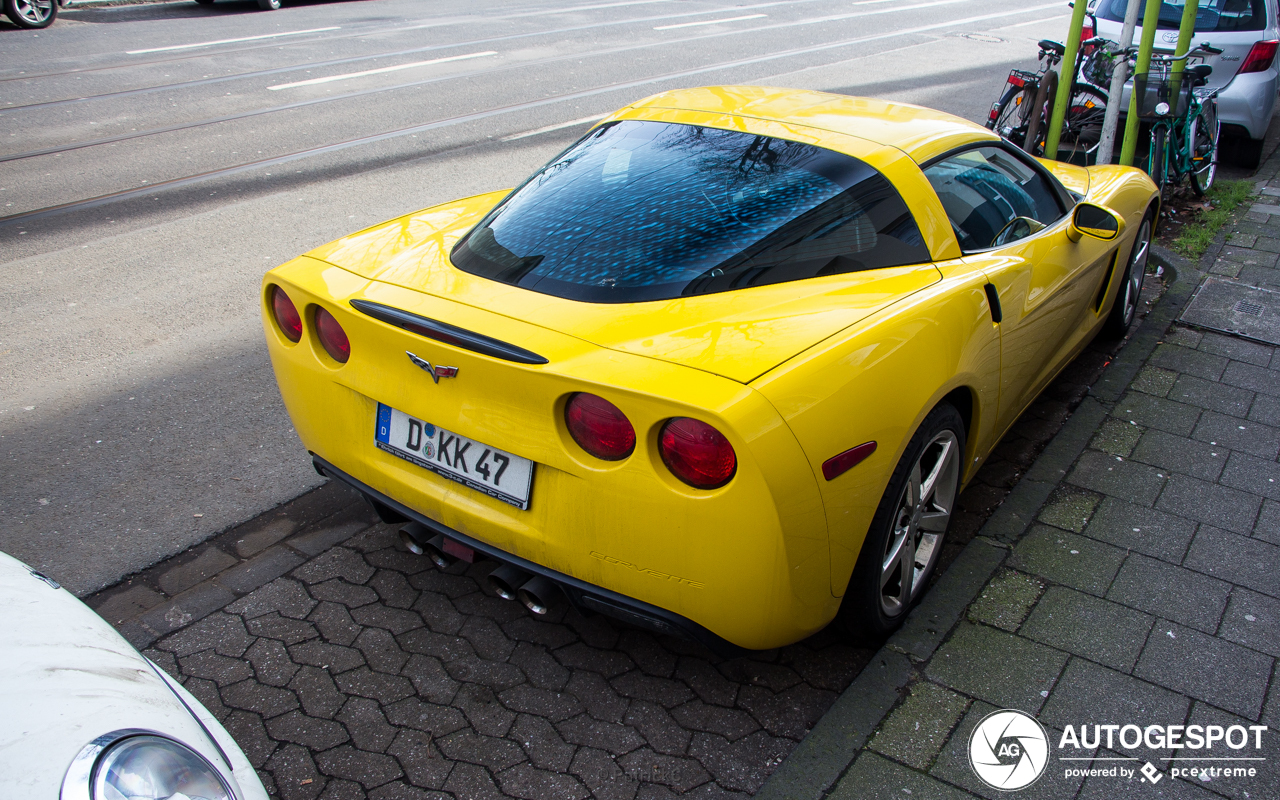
(1022, 113)
(1184, 120)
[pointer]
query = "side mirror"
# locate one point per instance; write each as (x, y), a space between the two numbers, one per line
(1096, 221)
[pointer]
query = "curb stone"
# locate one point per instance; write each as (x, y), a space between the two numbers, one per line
(815, 766)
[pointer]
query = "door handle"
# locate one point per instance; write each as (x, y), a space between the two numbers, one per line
(993, 300)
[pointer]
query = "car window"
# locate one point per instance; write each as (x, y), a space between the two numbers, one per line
(986, 190)
(641, 210)
(1212, 16)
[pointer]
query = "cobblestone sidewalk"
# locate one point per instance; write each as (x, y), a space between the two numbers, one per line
(363, 671)
(1133, 577)
(348, 668)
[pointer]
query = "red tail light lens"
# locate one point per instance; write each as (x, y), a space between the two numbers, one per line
(287, 316)
(599, 427)
(1260, 57)
(697, 453)
(332, 337)
(1086, 33)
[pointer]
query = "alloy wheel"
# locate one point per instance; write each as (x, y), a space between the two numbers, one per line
(919, 523)
(34, 12)
(1137, 271)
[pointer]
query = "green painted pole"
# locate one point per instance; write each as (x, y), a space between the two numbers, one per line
(1186, 33)
(1150, 21)
(1066, 80)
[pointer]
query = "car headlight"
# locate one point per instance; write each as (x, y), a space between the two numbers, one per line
(156, 768)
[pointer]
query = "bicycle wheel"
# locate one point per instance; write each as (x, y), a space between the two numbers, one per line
(1011, 115)
(1038, 114)
(1158, 157)
(1082, 123)
(1203, 139)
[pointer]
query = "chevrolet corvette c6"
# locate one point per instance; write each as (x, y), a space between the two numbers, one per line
(722, 367)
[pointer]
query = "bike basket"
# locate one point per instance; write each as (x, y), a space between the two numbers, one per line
(1098, 66)
(1155, 88)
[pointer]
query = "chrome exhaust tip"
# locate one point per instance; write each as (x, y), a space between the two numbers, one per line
(537, 595)
(413, 536)
(434, 548)
(506, 581)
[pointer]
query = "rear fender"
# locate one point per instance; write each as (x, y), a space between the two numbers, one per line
(877, 382)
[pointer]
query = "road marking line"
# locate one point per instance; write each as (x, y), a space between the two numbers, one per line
(381, 71)
(708, 22)
(477, 116)
(551, 128)
(1033, 22)
(228, 41)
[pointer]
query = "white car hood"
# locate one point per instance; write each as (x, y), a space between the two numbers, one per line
(67, 677)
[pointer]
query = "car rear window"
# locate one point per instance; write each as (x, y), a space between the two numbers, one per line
(641, 210)
(1213, 16)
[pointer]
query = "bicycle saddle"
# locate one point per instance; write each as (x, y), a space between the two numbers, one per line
(1200, 74)
(1052, 46)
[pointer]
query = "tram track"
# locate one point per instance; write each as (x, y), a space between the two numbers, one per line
(111, 197)
(455, 76)
(351, 34)
(374, 56)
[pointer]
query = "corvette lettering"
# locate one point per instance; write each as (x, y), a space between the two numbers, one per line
(436, 373)
(659, 575)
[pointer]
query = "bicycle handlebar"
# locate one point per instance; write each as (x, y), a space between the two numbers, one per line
(1199, 51)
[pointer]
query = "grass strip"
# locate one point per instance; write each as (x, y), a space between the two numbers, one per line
(1197, 234)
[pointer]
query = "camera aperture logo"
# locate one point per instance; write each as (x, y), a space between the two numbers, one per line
(1009, 750)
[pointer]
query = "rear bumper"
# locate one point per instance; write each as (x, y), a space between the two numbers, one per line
(1249, 101)
(584, 596)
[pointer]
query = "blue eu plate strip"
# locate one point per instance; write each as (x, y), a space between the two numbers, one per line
(384, 423)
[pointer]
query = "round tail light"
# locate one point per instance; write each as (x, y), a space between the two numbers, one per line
(599, 427)
(332, 337)
(287, 317)
(697, 453)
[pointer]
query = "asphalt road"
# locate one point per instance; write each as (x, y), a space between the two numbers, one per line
(156, 159)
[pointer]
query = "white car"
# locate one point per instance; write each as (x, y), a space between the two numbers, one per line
(1245, 74)
(87, 717)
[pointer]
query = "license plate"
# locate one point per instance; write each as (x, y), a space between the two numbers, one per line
(486, 469)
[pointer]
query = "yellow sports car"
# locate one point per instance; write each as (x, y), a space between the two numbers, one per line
(720, 368)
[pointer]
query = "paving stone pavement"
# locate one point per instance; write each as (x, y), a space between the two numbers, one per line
(346, 667)
(1133, 577)
(363, 671)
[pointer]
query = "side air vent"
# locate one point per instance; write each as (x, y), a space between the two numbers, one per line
(449, 334)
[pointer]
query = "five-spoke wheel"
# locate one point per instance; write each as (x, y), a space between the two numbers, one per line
(906, 535)
(31, 13)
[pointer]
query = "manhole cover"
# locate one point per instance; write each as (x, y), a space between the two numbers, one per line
(1235, 308)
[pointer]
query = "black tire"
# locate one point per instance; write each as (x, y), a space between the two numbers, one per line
(31, 13)
(1157, 158)
(1124, 309)
(1011, 114)
(205, 2)
(1082, 123)
(1037, 123)
(871, 608)
(1203, 136)
(1247, 152)
(269, 5)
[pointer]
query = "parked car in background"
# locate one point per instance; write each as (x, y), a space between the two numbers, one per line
(32, 13)
(87, 717)
(265, 5)
(1245, 73)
